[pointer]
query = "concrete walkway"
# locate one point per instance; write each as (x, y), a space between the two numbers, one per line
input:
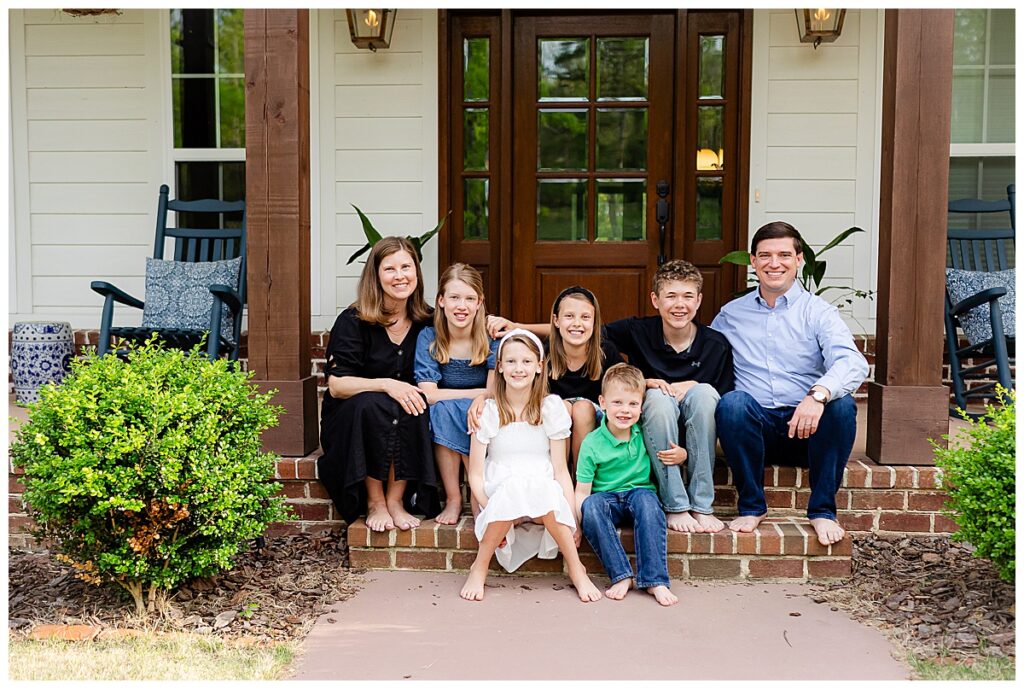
(413, 625)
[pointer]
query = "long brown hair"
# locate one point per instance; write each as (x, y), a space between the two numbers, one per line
(538, 390)
(478, 330)
(557, 360)
(370, 295)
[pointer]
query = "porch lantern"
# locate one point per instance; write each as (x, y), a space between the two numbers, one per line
(371, 28)
(819, 25)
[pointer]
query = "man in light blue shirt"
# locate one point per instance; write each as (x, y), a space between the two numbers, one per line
(796, 366)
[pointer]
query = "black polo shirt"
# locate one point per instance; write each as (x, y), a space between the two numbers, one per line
(708, 359)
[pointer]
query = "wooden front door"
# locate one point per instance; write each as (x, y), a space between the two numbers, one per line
(593, 134)
(587, 148)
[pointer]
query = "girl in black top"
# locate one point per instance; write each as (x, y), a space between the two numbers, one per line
(374, 424)
(578, 356)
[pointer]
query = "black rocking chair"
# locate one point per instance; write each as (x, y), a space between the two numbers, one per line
(988, 251)
(194, 246)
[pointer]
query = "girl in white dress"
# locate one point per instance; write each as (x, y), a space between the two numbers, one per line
(518, 472)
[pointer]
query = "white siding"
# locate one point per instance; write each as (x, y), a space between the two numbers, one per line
(87, 155)
(378, 147)
(814, 148)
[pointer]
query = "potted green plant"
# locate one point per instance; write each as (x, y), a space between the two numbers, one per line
(813, 274)
(373, 236)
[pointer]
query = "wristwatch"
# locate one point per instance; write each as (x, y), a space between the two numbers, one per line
(818, 395)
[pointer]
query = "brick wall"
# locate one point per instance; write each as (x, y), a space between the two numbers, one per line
(878, 499)
(318, 346)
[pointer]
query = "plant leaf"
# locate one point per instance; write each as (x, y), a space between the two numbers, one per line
(437, 228)
(840, 237)
(819, 272)
(809, 255)
(366, 247)
(372, 235)
(740, 258)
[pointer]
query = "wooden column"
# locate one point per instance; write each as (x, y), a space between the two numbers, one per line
(277, 194)
(907, 403)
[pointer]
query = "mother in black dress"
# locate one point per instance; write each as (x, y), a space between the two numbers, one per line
(374, 425)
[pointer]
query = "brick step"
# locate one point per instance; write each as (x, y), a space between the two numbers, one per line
(780, 548)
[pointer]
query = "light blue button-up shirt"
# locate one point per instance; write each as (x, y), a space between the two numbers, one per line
(779, 353)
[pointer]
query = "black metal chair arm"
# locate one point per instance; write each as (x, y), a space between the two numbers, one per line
(983, 297)
(229, 296)
(120, 296)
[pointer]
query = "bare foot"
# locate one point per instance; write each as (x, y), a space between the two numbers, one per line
(663, 595)
(451, 512)
(746, 524)
(378, 518)
(618, 590)
(828, 530)
(682, 521)
(403, 520)
(588, 593)
(709, 522)
(474, 587)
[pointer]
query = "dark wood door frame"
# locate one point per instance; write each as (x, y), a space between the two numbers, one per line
(500, 254)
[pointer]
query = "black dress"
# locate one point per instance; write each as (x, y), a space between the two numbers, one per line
(362, 436)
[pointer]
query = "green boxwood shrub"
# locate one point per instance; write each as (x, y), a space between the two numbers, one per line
(149, 472)
(981, 481)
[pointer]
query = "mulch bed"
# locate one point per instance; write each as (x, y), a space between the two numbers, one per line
(929, 595)
(273, 593)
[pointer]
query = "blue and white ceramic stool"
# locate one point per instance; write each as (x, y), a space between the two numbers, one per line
(40, 353)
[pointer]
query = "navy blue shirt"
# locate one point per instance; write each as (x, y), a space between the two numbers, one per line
(708, 359)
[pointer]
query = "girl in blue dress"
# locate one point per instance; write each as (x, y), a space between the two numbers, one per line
(454, 365)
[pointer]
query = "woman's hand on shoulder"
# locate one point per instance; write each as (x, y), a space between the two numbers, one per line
(408, 396)
(498, 326)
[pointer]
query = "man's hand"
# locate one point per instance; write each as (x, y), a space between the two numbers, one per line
(673, 456)
(805, 419)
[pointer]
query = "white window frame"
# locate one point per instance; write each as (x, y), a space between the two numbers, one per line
(984, 150)
(190, 155)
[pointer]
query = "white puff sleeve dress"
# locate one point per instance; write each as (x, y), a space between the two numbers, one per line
(519, 481)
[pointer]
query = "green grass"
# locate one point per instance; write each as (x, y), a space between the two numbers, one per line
(990, 668)
(178, 657)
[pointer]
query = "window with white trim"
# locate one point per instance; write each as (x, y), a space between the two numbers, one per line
(208, 96)
(982, 136)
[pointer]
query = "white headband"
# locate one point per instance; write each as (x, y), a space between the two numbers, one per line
(526, 333)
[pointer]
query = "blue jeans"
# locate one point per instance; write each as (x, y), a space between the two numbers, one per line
(603, 512)
(691, 485)
(752, 435)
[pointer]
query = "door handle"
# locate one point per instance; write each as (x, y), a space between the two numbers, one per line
(661, 215)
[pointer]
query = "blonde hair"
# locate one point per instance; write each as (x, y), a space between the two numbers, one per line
(677, 270)
(629, 377)
(370, 295)
(538, 390)
(478, 330)
(557, 366)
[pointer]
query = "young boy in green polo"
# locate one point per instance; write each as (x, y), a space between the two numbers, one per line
(614, 488)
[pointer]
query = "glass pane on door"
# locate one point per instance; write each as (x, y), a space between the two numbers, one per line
(563, 67)
(562, 210)
(621, 210)
(622, 65)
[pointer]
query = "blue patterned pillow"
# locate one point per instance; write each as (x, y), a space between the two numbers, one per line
(178, 294)
(976, 324)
